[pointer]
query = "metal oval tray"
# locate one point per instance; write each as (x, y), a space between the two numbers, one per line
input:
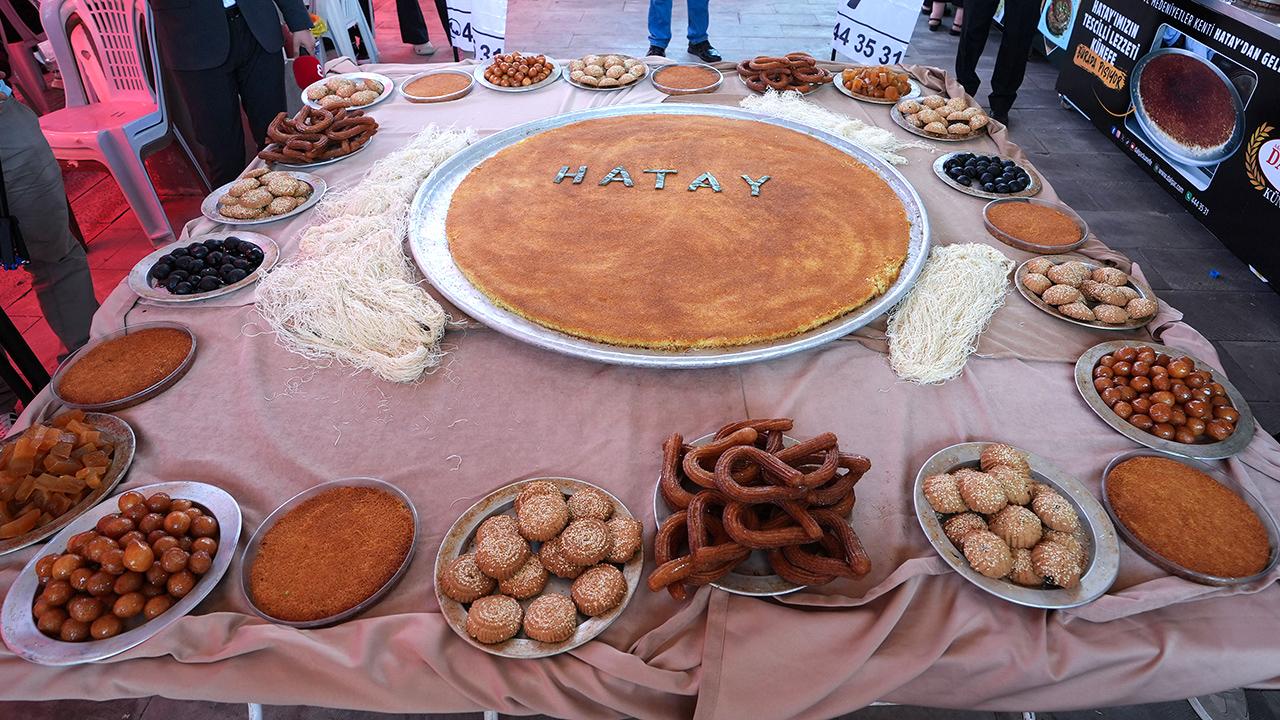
(1264, 516)
(209, 208)
(653, 78)
(900, 121)
(27, 642)
(498, 502)
(430, 247)
(471, 84)
(142, 395)
(118, 433)
(648, 71)
(1033, 189)
(1162, 145)
(753, 577)
(478, 74)
(387, 87)
(1143, 290)
(255, 542)
(140, 284)
(1104, 549)
(839, 83)
(322, 163)
(1201, 451)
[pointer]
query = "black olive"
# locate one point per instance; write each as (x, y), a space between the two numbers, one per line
(214, 258)
(183, 288)
(228, 266)
(971, 172)
(160, 270)
(1002, 188)
(209, 283)
(180, 274)
(195, 245)
(186, 262)
(172, 283)
(965, 180)
(178, 252)
(254, 258)
(199, 251)
(236, 276)
(988, 187)
(209, 272)
(213, 243)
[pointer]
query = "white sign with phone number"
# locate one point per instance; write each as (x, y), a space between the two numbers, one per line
(874, 32)
(478, 26)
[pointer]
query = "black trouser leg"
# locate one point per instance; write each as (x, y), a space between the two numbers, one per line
(973, 38)
(413, 26)
(259, 77)
(1011, 62)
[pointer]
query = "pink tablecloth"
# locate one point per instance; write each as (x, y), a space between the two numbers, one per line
(264, 424)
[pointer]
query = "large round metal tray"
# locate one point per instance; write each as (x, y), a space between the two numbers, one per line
(1033, 189)
(1264, 515)
(502, 501)
(387, 87)
(430, 248)
(19, 629)
(839, 84)
(255, 542)
(478, 74)
(142, 395)
(1157, 139)
(209, 208)
(141, 284)
(1142, 289)
(900, 121)
(753, 577)
(117, 432)
(1202, 451)
(1104, 550)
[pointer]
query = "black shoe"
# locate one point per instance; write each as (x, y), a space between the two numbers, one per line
(705, 52)
(956, 30)
(935, 25)
(655, 50)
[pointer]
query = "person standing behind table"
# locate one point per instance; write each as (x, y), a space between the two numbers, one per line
(699, 20)
(1015, 46)
(413, 27)
(224, 54)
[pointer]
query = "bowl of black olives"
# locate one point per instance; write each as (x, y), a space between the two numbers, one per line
(989, 176)
(205, 267)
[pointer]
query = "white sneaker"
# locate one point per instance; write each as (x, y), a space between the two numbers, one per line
(424, 49)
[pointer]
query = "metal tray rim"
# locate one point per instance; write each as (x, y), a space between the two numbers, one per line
(141, 287)
(916, 91)
(471, 84)
(653, 73)
(209, 208)
(478, 75)
(1144, 120)
(142, 395)
(388, 87)
(1032, 190)
(900, 121)
(1142, 288)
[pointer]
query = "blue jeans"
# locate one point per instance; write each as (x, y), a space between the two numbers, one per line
(660, 22)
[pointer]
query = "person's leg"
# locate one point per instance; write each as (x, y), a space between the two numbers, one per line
(973, 38)
(1020, 18)
(259, 78)
(214, 108)
(699, 21)
(659, 23)
(957, 23)
(935, 14)
(413, 26)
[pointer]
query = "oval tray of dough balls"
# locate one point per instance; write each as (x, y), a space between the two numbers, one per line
(1103, 547)
(459, 540)
(622, 71)
(1132, 283)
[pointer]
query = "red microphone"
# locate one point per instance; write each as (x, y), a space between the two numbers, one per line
(306, 70)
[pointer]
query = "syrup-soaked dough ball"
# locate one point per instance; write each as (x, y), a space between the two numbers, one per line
(1077, 311)
(1039, 265)
(1061, 295)
(981, 492)
(943, 494)
(988, 554)
(958, 527)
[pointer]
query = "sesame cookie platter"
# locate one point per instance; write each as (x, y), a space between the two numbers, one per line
(939, 118)
(1011, 523)
(261, 195)
(539, 567)
(1078, 290)
(349, 90)
(605, 72)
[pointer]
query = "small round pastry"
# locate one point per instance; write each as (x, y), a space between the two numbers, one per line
(497, 524)
(1141, 308)
(1039, 265)
(1023, 572)
(943, 494)
(981, 492)
(1070, 273)
(551, 618)
(599, 590)
(494, 619)
(1111, 276)
(988, 554)
(624, 538)
(551, 555)
(957, 527)
(542, 517)
(585, 541)
(997, 454)
(1111, 315)
(1037, 283)
(1077, 311)
(528, 581)
(499, 555)
(590, 503)
(463, 581)
(1071, 543)
(537, 487)
(933, 101)
(1017, 487)
(1055, 563)
(909, 107)
(1017, 526)
(1055, 512)
(1123, 295)
(1039, 487)
(1061, 295)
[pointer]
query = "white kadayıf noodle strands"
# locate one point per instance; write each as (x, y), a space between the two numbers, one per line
(791, 106)
(350, 294)
(935, 328)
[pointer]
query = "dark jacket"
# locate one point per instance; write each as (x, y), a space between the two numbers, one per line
(193, 34)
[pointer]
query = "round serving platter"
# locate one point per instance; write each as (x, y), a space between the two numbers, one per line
(502, 501)
(322, 163)
(1104, 549)
(138, 397)
(900, 121)
(648, 71)
(471, 84)
(115, 431)
(1033, 189)
(430, 246)
(19, 629)
(1201, 451)
(255, 544)
(140, 283)
(387, 87)
(1157, 138)
(1268, 521)
(813, 87)
(1143, 290)
(209, 208)
(839, 83)
(478, 74)
(653, 78)
(1020, 244)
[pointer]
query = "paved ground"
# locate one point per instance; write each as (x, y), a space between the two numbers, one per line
(1237, 311)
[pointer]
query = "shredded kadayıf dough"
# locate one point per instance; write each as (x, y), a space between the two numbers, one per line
(935, 328)
(791, 106)
(350, 295)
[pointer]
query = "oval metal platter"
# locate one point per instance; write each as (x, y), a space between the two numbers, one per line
(1158, 139)
(142, 395)
(255, 543)
(209, 208)
(1104, 550)
(1201, 451)
(19, 629)
(1264, 515)
(430, 247)
(140, 284)
(915, 92)
(387, 87)
(478, 74)
(900, 121)
(116, 431)
(1033, 189)
(502, 501)
(1143, 290)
